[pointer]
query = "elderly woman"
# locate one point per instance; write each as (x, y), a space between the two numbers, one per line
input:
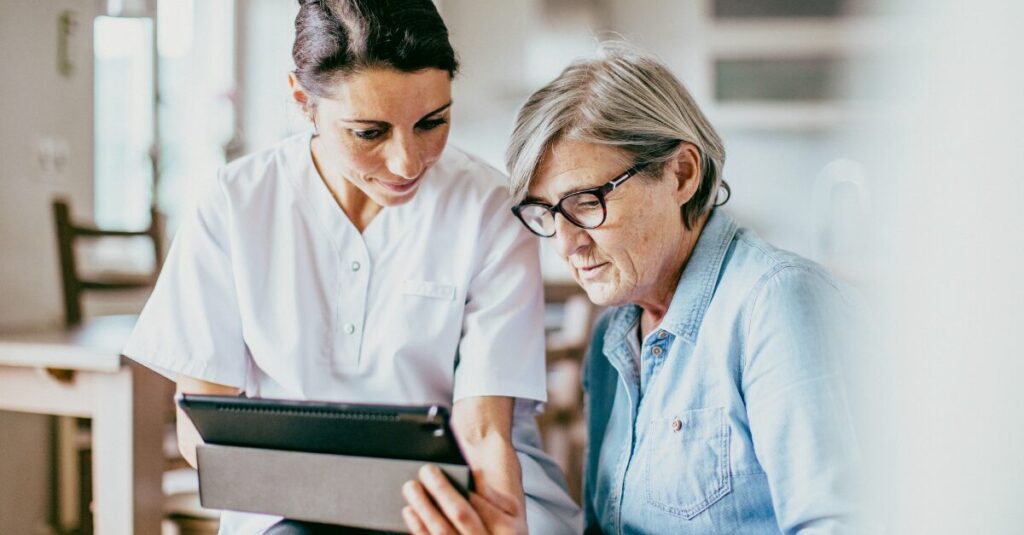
(715, 399)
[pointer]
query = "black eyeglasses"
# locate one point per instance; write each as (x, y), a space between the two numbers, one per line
(585, 209)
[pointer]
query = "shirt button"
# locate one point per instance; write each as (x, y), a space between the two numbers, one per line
(677, 425)
(662, 335)
(349, 328)
(656, 350)
(355, 266)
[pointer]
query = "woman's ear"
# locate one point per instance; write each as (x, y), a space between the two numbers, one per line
(299, 94)
(685, 170)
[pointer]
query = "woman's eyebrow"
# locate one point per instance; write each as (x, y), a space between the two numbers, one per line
(579, 185)
(365, 121)
(572, 189)
(385, 123)
(437, 111)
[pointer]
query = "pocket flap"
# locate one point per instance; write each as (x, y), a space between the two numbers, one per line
(429, 289)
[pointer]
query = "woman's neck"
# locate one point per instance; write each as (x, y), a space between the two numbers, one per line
(656, 304)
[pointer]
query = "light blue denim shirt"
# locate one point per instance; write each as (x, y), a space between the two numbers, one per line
(736, 419)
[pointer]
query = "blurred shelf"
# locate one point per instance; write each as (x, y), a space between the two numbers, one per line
(778, 115)
(797, 37)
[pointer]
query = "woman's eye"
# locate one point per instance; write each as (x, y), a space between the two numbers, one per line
(431, 124)
(368, 134)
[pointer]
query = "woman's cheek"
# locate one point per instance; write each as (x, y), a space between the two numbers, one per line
(435, 145)
(362, 160)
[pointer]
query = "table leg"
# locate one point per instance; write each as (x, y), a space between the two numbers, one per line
(127, 452)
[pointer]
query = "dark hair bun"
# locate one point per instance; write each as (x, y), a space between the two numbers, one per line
(337, 37)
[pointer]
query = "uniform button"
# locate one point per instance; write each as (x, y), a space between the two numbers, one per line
(656, 350)
(349, 328)
(355, 266)
(662, 335)
(677, 425)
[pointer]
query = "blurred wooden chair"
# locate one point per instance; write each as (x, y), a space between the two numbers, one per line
(74, 283)
(570, 316)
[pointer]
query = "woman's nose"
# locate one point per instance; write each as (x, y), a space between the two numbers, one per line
(568, 238)
(404, 159)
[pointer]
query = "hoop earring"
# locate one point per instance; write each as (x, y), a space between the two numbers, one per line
(719, 201)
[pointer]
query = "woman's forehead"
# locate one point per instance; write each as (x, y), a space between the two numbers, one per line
(389, 95)
(572, 165)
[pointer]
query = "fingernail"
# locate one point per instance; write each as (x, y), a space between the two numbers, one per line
(430, 471)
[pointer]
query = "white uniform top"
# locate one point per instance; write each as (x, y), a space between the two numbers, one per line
(269, 287)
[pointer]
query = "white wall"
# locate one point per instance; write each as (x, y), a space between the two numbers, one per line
(949, 431)
(265, 30)
(38, 103)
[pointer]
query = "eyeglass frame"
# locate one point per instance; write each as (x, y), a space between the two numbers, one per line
(600, 192)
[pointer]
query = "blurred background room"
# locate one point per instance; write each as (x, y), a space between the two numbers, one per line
(881, 140)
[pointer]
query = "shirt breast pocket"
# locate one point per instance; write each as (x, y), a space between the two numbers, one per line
(428, 312)
(686, 461)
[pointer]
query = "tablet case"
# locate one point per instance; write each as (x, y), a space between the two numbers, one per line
(384, 431)
(315, 487)
(316, 461)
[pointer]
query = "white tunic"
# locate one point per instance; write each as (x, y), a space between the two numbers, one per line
(269, 287)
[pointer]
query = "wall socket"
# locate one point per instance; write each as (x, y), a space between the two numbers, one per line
(53, 158)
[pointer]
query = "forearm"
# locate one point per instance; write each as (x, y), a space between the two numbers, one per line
(484, 428)
(188, 436)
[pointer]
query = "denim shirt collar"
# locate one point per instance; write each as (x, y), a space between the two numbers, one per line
(693, 293)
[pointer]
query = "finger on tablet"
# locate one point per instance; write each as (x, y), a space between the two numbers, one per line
(413, 522)
(428, 514)
(456, 508)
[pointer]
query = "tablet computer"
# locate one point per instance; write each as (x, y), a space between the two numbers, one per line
(419, 433)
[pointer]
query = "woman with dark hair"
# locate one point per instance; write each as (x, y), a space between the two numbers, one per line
(364, 262)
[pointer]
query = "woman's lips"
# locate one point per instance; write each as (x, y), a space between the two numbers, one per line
(399, 187)
(593, 271)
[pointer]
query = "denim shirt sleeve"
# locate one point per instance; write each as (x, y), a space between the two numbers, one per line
(792, 381)
(599, 381)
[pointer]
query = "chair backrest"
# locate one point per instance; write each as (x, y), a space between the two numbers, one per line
(72, 281)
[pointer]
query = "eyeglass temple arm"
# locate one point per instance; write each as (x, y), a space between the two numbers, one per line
(626, 176)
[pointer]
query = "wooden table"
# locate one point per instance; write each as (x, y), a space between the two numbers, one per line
(126, 402)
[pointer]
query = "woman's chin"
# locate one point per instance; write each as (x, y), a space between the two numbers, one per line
(601, 293)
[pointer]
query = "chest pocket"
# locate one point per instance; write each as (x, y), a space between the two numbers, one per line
(686, 461)
(428, 319)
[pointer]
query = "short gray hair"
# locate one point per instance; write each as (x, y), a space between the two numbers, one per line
(623, 98)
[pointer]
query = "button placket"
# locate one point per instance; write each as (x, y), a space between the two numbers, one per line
(354, 288)
(654, 353)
